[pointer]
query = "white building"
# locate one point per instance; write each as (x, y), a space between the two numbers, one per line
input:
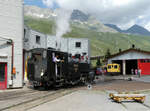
(34, 39)
(11, 43)
(70, 45)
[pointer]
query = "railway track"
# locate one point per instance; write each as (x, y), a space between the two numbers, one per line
(24, 100)
(15, 94)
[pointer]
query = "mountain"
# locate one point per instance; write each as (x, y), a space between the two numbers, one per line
(78, 18)
(114, 27)
(78, 15)
(135, 30)
(138, 30)
(38, 12)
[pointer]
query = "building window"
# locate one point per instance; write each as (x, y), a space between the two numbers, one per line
(78, 44)
(38, 39)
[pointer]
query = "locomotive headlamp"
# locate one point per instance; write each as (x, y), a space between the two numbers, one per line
(42, 72)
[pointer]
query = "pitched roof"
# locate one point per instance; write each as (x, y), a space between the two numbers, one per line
(128, 50)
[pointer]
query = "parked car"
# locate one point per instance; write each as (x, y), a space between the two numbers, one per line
(99, 71)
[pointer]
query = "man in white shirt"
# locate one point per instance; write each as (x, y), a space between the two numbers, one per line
(55, 59)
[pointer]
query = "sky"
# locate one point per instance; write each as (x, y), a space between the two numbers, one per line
(123, 13)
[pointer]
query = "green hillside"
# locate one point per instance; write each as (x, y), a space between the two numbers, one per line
(100, 42)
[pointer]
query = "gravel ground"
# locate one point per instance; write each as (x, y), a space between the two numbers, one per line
(121, 85)
(143, 79)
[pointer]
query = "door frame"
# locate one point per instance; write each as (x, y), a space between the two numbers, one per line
(5, 82)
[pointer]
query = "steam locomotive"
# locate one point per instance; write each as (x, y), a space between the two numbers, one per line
(43, 71)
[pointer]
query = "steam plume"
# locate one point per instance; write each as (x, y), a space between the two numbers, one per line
(62, 23)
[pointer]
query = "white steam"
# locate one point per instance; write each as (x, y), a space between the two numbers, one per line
(62, 24)
(62, 21)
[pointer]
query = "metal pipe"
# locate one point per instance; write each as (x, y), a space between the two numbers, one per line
(12, 60)
(12, 57)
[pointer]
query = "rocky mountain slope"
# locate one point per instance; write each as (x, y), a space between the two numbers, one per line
(135, 30)
(78, 18)
(138, 30)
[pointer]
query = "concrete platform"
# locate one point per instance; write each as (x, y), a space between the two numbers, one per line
(91, 101)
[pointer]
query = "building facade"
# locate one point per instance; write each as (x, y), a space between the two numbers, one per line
(71, 45)
(132, 60)
(34, 39)
(11, 43)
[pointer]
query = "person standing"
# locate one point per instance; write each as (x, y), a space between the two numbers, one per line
(139, 72)
(132, 71)
(56, 60)
(136, 71)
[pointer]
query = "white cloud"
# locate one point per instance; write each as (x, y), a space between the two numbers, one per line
(140, 17)
(108, 11)
(127, 25)
(147, 26)
(49, 3)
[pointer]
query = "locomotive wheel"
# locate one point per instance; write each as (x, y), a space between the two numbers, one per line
(35, 87)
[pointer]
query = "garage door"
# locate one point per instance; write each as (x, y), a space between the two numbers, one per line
(144, 65)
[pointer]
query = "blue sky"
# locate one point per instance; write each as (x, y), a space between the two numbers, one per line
(38, 3)
(35, 2)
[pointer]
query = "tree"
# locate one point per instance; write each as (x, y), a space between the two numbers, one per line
(98, 63)
(108, 54)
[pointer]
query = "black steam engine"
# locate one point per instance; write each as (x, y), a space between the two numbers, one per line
(43, 71)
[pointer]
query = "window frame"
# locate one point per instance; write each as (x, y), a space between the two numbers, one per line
(78, 45)
(38, 39)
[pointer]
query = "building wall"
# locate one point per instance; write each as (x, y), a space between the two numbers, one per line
(30, 41)
(74, 50)
(51, 41)
(69, 45)
(11, 27)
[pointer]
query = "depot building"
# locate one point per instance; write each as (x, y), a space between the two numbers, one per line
(11, 44)
(132, 59)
